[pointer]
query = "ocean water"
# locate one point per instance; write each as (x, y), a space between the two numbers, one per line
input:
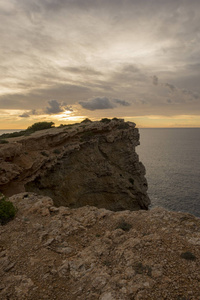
(8, 130)
(172, 161)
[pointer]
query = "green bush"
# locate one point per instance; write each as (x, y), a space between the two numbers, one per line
(123, 126)
(44, 153)
(40, 126)
(87, 135)
(124, 226)
(35, 127)
(131, 180)
(3, 142)
(7, 211)
(56, 151)
(188, 255)
(86, 121)
(105, 120)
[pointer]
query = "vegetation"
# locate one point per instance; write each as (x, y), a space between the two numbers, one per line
(87, 135)
(7, 210)
(35, 127)
(40, 126)
(44, 153)
(124, 226)
(141, 269)
(3, 142)
(105, 120)
(123, 126)
(188, 255)
(56, 151)
(115, 119)
(86, 121)
(131, 180)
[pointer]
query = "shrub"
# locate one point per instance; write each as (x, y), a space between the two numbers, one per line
(13, 134)
(29, 130)
(142, 269)
(105, 120)
(44, 153)
(86, 121)
(124, 226)
(86, 135)
(131, 180)
(123, 126)
(188, 255)
(7, 211)
(56, 151)
(115, 119)
(3, 142)
(40, 126)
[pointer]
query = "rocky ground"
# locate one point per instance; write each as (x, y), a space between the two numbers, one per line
(89, 253)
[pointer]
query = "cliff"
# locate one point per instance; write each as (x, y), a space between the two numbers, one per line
(96, 254)
(91, 163)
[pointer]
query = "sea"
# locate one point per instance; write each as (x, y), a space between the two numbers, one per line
(2, 131)
(172, 161)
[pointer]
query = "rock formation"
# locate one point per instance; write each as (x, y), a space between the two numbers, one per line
(92, 163)
(96, 254)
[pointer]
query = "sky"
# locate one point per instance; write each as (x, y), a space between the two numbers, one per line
(67, 60)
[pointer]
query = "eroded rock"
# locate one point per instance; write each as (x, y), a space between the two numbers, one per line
(90, 164)
(82, 254)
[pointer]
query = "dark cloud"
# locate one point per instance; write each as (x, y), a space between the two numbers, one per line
(155, 80)
(170, 86)
(36, 98)
(82, 70)
(54, 107)
(24, 115)
(191, 94)
(121, 102)
(97, 103)
(131, 69)
(103, 103)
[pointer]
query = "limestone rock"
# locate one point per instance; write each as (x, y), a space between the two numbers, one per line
(88, 253)
(94, 163)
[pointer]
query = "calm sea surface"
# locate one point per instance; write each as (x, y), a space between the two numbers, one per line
(8, 130)
(172, 161)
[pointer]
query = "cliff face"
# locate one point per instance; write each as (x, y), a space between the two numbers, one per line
(97, 254)
(87, 163)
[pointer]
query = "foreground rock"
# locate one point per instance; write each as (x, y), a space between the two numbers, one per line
(92, 163)
(89, 253)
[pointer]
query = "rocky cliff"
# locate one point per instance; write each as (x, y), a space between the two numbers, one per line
(96, 254)
(91, 163)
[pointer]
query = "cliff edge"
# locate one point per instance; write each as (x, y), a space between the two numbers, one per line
(90, 163)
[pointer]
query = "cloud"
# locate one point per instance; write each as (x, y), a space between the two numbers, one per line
(131, 69)
(97, 103)
(121, 102)
(191, 94)
(170, 86)
(82, 70)
(24, 115)
(54, 107)
(155, 80)
(103, 103)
